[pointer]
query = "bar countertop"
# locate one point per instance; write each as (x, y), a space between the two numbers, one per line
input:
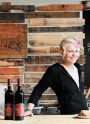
(47, 119)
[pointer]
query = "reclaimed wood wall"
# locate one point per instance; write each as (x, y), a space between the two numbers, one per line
(46, 26)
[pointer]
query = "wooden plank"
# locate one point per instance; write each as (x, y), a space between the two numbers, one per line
(34, 75)
(63, 22)
(12, 18)
(49, 97)
(31, 80)
(28, 87)
(11, 71)
(36, 68)
(7, 4)
(11, 62)
(60, 7)
(55, 29)
(25, 8)
(52, 15)
(44, 50)
(13, 43)
(47, 43)
(47, 50)
(42, 59)
(4, 78)
(55, 36)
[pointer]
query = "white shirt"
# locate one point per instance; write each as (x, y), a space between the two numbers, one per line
(74, 74)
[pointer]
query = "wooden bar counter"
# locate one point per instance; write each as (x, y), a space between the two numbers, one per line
(47, 119)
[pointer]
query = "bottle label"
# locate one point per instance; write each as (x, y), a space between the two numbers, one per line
(8, 109)
(19, 110)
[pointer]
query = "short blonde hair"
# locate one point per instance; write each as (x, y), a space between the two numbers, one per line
(69, 40)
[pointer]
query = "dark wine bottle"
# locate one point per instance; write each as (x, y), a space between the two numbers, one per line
(9, 102)
(19, 102)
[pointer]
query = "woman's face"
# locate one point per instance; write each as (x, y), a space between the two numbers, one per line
(70, 53)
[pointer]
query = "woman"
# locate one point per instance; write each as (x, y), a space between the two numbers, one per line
(65, 80)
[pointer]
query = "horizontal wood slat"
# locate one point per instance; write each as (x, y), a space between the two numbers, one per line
(11, 62)
(33, 75)
(55, 29)
(31, 80)
(12, 18)
(4, 78)
(13, 40)
(47, 50)
(25, 8)
(42, 59)
(58, 7)
(36, 68)
(63, 22)
(44, 50)
(47, 43)
(52, 15)
(55, 36)
(11, 71)
(28, 87)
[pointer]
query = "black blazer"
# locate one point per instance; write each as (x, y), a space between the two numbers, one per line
(70, 97)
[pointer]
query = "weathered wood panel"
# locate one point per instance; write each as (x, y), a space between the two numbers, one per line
(42, 59)
(31, 80)
(11, 62)
(63, 22)
(11, 71)
(55, 29)
(60, 7)
(44, 50)
(48, 42)
(28, 87)
(12, 18)
(4, 78)
(47, 103)
(33, 75)
(25, 8)
(55, 36)
(47, 50)
(52, 15)
(13, 40)
(36, 68)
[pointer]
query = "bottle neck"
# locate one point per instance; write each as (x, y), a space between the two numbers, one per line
(18, 84)
(9, 84)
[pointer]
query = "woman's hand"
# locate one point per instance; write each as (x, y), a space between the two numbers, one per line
(84, 113)
(29, 109)
(28, 112)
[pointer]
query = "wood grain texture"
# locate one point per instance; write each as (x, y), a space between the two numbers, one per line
(25, 8)
(60, 7)
(62, 22)
(52, 15)
(13, 40)
(12, 18)
(11, 63)
(42, 59)
(36, 68)
(11, 71)
(47, 43)
(55, 29)
(55, 36)
(4, 78)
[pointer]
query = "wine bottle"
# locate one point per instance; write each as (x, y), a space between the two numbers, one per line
(9, 102)
(19, 102)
